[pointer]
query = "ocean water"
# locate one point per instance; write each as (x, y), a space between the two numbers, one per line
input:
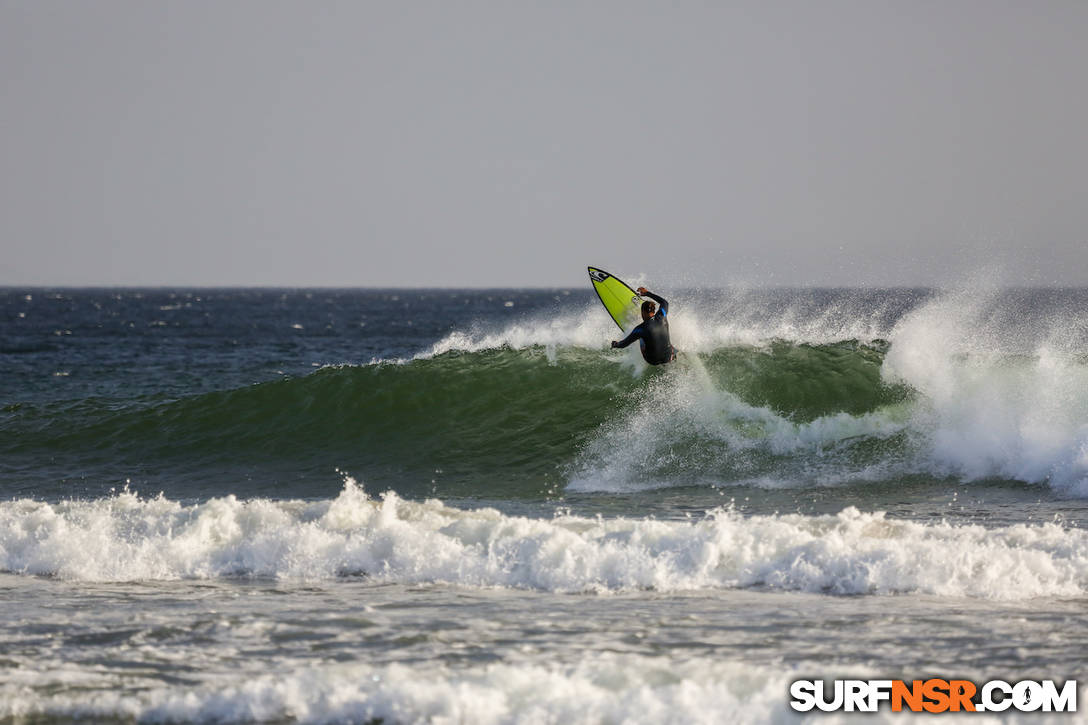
(456, 506)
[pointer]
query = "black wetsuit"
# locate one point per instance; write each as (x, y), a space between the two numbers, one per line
(653, 335)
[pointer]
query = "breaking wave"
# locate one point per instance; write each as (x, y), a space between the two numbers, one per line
(391, 540)
(970, 385)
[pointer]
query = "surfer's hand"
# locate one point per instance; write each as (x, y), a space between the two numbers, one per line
(642, 290)
(613, 343)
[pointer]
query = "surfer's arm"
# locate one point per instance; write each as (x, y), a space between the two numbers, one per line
(659, 300)
(635, 335)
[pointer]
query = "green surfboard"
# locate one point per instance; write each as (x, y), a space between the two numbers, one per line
(622, 302)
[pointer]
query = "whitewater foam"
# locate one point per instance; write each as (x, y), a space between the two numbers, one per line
(1002, 394)
(701, 322)
(685, 428)
(582, 329)
(126, 538)
(599, 688)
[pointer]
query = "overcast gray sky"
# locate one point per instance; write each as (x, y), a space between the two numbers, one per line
(513, 143)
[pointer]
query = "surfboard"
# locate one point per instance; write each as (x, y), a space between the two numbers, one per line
(622, 302)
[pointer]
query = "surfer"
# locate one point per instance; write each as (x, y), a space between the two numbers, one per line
(653, 333)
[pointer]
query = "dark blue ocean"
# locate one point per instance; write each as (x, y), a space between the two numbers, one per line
(463, 506)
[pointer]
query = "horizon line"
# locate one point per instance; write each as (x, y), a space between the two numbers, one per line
(527, 288)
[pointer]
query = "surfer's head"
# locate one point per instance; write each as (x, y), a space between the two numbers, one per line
(648, 310)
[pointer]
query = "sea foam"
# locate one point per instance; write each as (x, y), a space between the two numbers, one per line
(688, 427)
(387, 539)
(1002, 393)
(699, 323)
(600, 688)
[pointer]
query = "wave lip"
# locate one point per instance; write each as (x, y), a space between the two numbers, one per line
(389, 540)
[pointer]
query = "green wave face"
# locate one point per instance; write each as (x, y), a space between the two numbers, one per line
(498, 422)
(804, 382)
